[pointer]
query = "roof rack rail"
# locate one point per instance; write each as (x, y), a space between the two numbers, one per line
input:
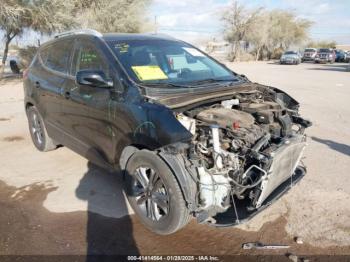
(80, 32)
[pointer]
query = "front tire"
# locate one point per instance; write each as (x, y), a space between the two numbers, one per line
(154, 193)
(38, 132)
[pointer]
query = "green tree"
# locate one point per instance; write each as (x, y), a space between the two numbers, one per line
(258, 36)
(278, 30)
(44, 16)
(112, 15)
(322, 44)
(285, 29)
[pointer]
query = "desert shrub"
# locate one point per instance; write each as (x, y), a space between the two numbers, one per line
(277, 53)
(244, 57)
(26, 55)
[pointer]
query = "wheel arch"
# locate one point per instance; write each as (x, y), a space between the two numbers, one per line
(186, 181)
(28, 105)
(176, 165)
(127, 152)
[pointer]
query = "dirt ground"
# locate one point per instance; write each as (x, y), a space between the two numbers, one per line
(58, 203)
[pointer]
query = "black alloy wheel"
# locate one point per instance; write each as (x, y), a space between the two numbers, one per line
(155, 194)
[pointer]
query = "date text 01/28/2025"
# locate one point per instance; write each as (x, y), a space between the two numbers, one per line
(173, 258)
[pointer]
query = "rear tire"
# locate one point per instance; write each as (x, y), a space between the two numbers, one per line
(154, 193)
(38, 133)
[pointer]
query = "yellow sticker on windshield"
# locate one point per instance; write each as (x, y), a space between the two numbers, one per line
(150, 72)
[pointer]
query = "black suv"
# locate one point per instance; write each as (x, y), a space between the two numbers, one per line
(191, 137)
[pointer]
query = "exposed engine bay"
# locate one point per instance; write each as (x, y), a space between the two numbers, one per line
(243, 147)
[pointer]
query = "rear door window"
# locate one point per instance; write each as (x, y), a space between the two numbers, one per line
(57, 56)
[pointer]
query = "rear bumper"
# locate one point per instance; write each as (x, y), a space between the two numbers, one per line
(308, 59)
(288, 62)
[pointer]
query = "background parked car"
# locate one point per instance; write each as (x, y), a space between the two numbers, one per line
(347, 56)
(325, 55)
(340, 56)
(309, 54)
(290, 57)
(13, 62)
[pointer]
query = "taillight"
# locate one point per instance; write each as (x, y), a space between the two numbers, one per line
(25, 73)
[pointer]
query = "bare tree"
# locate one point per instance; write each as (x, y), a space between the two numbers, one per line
(45, 16)
(238, 23)
(265, 30)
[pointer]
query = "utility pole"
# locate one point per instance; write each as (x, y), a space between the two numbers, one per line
(155, 25)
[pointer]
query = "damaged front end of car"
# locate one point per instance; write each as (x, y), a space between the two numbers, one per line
(245, 152)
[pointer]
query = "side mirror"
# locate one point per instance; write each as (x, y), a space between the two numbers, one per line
(94, 78)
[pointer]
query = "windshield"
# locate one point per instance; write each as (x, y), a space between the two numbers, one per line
(290, 53)
(165, 61)
(324, 50)
(310, 50)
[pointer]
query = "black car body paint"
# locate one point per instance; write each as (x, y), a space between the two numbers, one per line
(112, 114)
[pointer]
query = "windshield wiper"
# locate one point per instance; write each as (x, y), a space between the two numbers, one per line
(166, 85)
(213, 80)
(193, 84)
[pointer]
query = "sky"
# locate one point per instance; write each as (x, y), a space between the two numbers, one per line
(198, 19)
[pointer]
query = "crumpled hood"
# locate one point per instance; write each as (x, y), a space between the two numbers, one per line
(180, 97)
(183, 97)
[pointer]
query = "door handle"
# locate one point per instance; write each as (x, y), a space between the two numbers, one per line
(67, 94)
(37, 84)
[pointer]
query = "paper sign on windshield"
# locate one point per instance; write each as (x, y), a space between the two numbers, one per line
(151, 72)
(193, 52)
